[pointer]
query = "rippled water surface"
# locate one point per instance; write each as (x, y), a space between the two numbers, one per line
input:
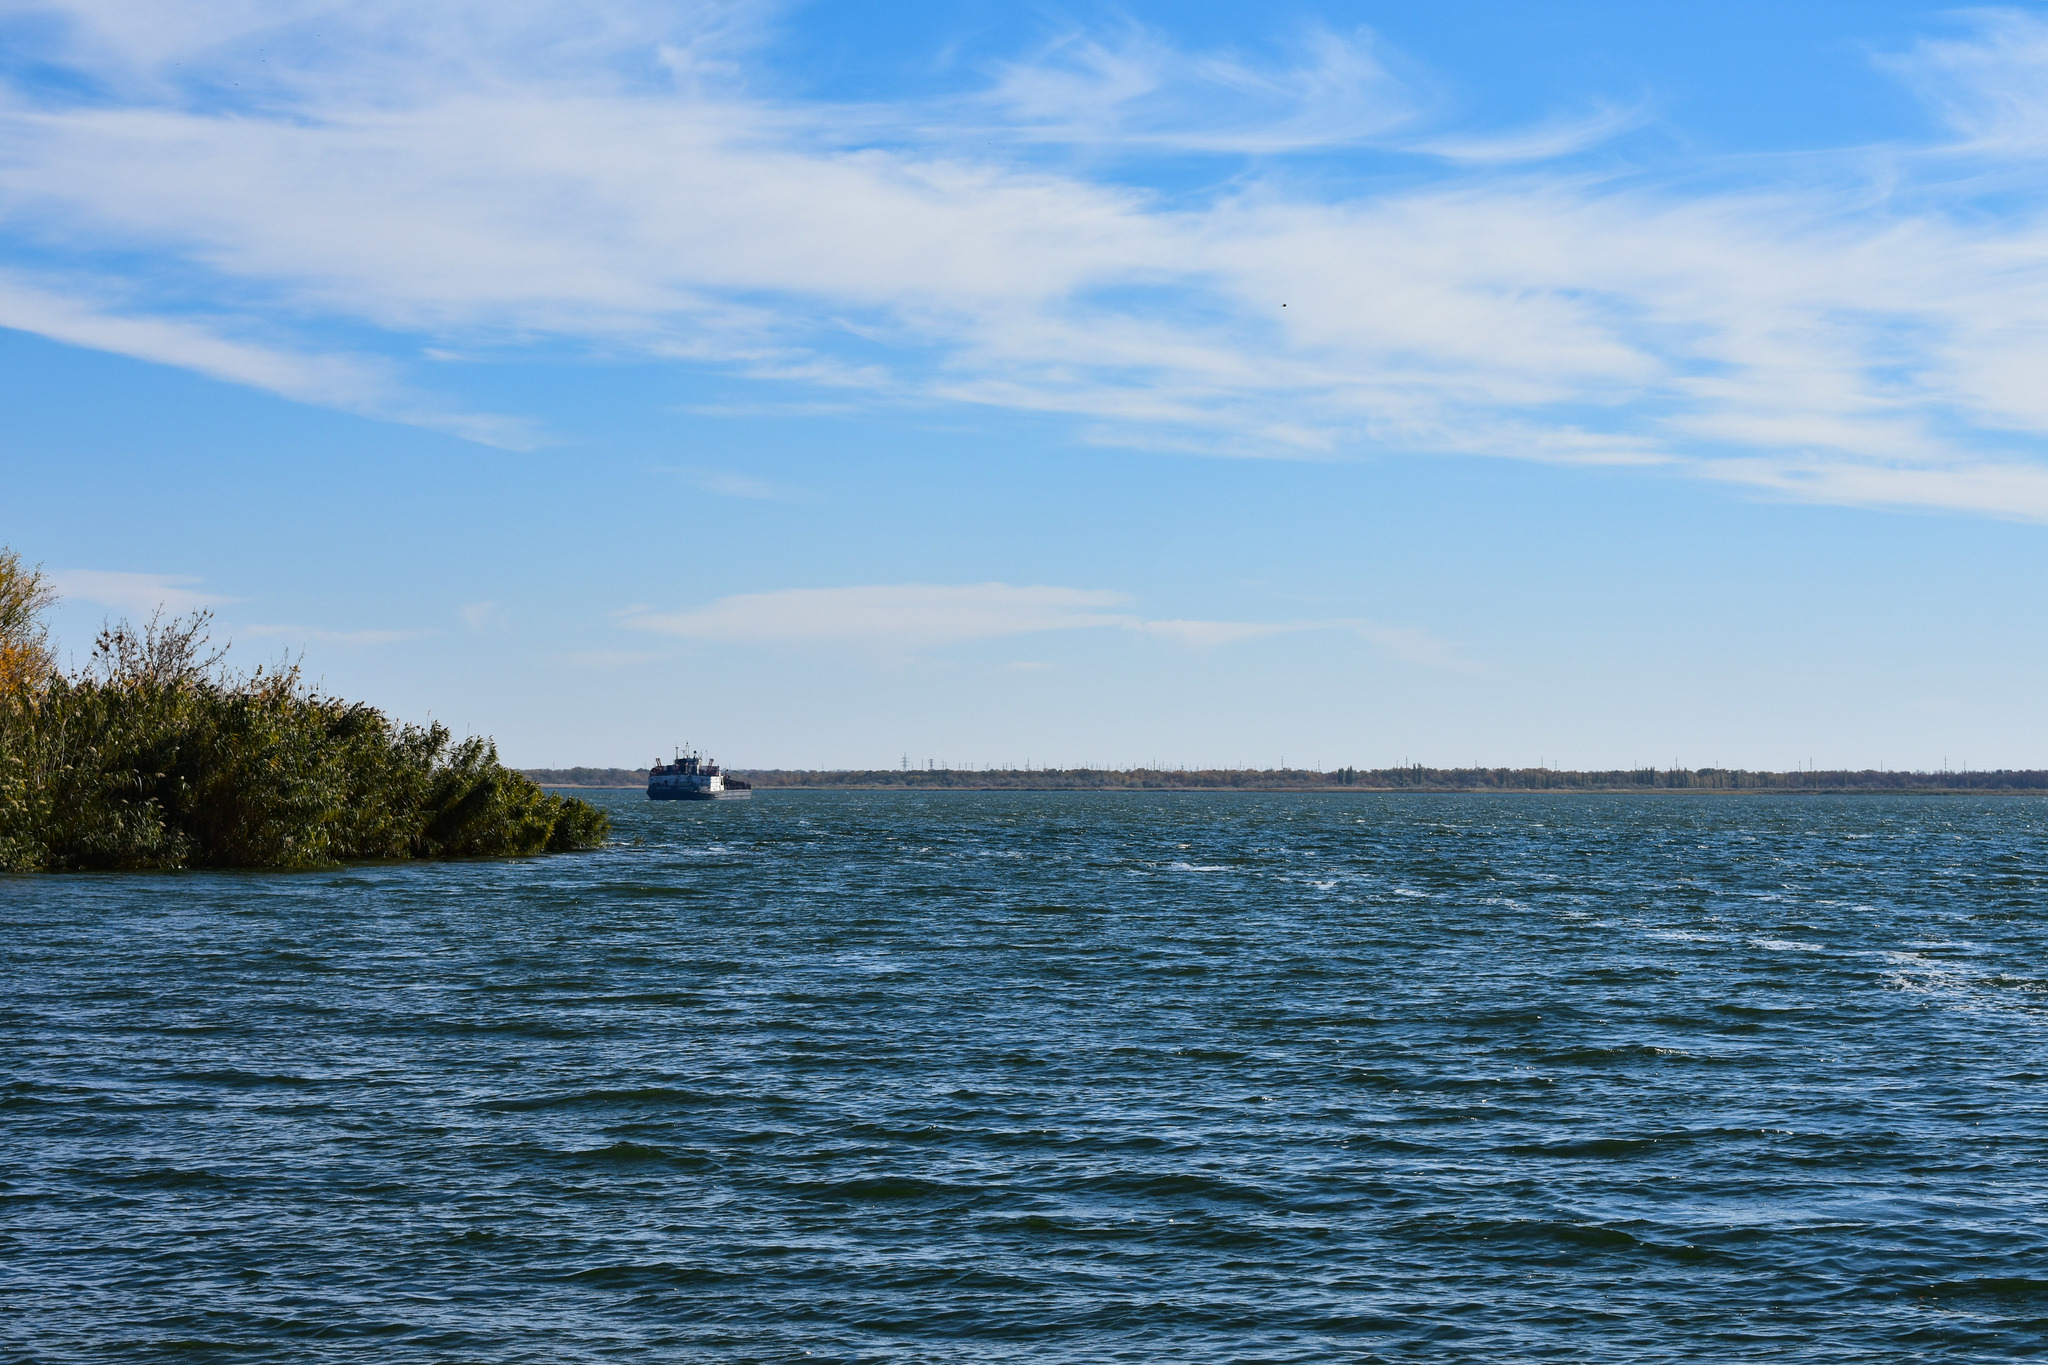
(1053, 1077)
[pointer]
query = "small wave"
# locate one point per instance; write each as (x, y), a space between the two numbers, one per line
(635, 891)
(1584, 1236)
(633, 1276)
(172, 1178)
(1082, 1229)
(1178, 1184)
(596, 1099)
(1608, 1148)
(889, 1189)
(251, 1080)
(624, 1152)
(1989, 1286)
(1603, 1056)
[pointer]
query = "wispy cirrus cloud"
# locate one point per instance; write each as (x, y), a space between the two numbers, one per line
(1554, 137)
(1130, 87)
(609, 659)
(483, 617)
(1986, 85)
(1864, 327)
(319, 635)
(352, 383)
(138, 594)
(1406, 643)
(900, 615)
(726, 483)
(1212, 634)
(141, 595)
(924, 615)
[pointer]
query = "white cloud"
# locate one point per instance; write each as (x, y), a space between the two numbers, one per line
(68, 318)
(1540, 142)
(1133, 88)
(314, 635)
(740, 486)
(1413, 646)
(1990, 85)
(609, 659)
(1852, 328)
(1210, 634)
(919, 615)
(137, 594)
(351, 383)
(1406, 643)
(2017, 491)
(913, 614)
(725, 484)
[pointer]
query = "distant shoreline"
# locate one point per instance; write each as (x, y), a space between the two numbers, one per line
(1536, 781)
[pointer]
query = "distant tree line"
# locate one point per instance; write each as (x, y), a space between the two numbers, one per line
(158, 756)
(587, 777)
(1415, 778)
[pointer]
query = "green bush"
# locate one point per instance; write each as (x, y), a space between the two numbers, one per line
(157, 757)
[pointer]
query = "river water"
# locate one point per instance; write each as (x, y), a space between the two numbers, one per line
(1053, 1077)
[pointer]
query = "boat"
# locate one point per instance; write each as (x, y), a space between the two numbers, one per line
(692, 777)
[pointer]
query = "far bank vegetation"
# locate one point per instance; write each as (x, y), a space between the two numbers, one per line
(156, 754)
(1414, 778)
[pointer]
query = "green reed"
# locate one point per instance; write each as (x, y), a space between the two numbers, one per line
(158, 756)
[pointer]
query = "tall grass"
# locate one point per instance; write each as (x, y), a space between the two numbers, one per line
(158, 756)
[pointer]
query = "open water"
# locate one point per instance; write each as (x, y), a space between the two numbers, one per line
(1053, 1077)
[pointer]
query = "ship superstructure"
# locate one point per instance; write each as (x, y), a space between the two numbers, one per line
(692, 777)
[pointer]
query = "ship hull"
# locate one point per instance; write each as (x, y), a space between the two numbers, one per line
(698, 795)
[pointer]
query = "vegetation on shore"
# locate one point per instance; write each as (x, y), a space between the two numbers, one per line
(1414, 778)
(588, 777)
(158, 756)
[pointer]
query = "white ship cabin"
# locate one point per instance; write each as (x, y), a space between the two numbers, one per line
(690, 771)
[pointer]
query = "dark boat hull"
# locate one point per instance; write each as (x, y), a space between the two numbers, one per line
(727, 795)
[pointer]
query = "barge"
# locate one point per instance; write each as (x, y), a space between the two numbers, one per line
(692, 777)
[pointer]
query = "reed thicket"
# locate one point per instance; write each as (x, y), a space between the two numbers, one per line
(156, 755)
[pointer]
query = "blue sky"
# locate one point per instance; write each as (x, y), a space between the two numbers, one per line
(830, 384)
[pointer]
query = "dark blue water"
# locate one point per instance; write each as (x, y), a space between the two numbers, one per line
(1059, 1077)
